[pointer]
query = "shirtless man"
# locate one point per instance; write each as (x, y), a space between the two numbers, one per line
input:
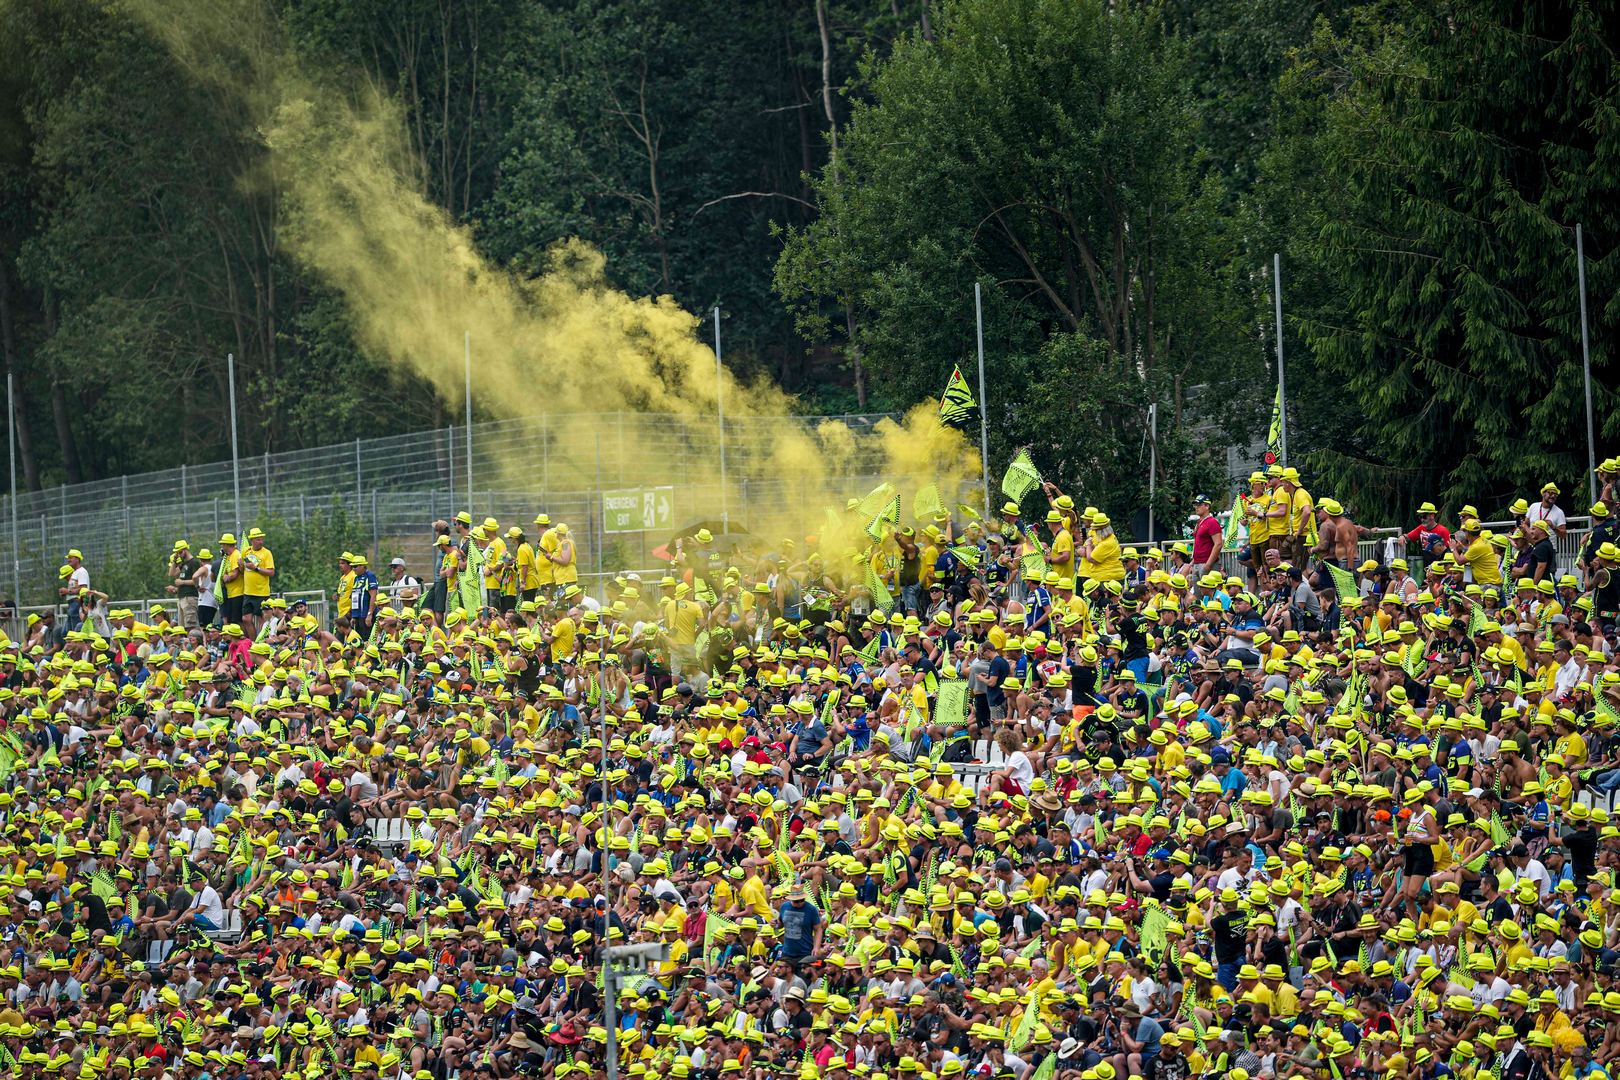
(1336, 539)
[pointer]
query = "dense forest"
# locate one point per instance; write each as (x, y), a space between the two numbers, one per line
(838, 175)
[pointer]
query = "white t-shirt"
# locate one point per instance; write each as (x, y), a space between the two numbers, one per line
(1535, 871)
(1553, 517)
(1020, 769)
(208, 904)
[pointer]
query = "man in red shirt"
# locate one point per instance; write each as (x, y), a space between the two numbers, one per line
(1206, 536)
(1431, 537)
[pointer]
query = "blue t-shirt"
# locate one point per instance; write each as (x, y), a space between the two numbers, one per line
(360, 596)
(799, 924)
(995, 696)
(1148, 1033)
(1234, 783)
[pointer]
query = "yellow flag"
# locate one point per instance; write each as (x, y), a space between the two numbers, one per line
(956, 405)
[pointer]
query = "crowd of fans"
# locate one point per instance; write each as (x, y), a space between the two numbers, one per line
(999, 796)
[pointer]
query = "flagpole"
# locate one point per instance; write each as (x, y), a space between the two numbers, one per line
(1282, 392)
(984, 418)
(1153, 464)
(1586, 367)
(720, 414)
(11, 452)
(466, 359)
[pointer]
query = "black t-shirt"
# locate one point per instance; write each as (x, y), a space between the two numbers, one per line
(1606, 596)
(1582, 846)
(1231, 934)
(1161, 885)
(188, 570)
(1542, 553)
(1133, 629)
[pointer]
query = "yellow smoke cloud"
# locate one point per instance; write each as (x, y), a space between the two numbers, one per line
(560, 345)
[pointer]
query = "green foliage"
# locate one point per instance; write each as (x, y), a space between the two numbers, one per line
(1048, 150)
(140, 231)
(838, 174)
(139, 574)
(306, 558)
(1441, 158)
(306, 554)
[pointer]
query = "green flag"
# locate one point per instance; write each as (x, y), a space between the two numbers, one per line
(881, 597)
(1234, 519)
(926, 504)
(1274, 433)
(956, 405)
(1022, 477)
(950, 707)
(1345, 582)
(876, 499)
(1151, 934)
(470, 582)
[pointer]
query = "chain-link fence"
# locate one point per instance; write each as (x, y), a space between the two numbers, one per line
(396, 485)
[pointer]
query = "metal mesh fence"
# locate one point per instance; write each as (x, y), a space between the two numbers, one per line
(396, 485)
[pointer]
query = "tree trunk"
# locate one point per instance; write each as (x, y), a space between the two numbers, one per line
(8, 341)
(832, 136)
(59, 406)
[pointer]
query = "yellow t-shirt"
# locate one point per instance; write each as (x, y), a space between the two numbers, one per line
(344, 589)
(681, 616)
(545, 573)
(562, 638)
(255, 581)
(1299, 511)
(1481, 559)
(1259, 528)
(1279, 507)
(1511, 648)
(567, 575)
(528, 577)
(1062, 559)
(930, 556)
(752, 894)
(1573, 748)
(227, 564)
(1104, 563)
(492, 562)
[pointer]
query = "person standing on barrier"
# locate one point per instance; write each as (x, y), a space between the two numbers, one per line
(258, 568)
(564, 560)
(183, 569)
(76, 578)
(438, 592)
(207, 598)
(345, 587)
(1548, 510)
(362, 595)
(230, 578)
